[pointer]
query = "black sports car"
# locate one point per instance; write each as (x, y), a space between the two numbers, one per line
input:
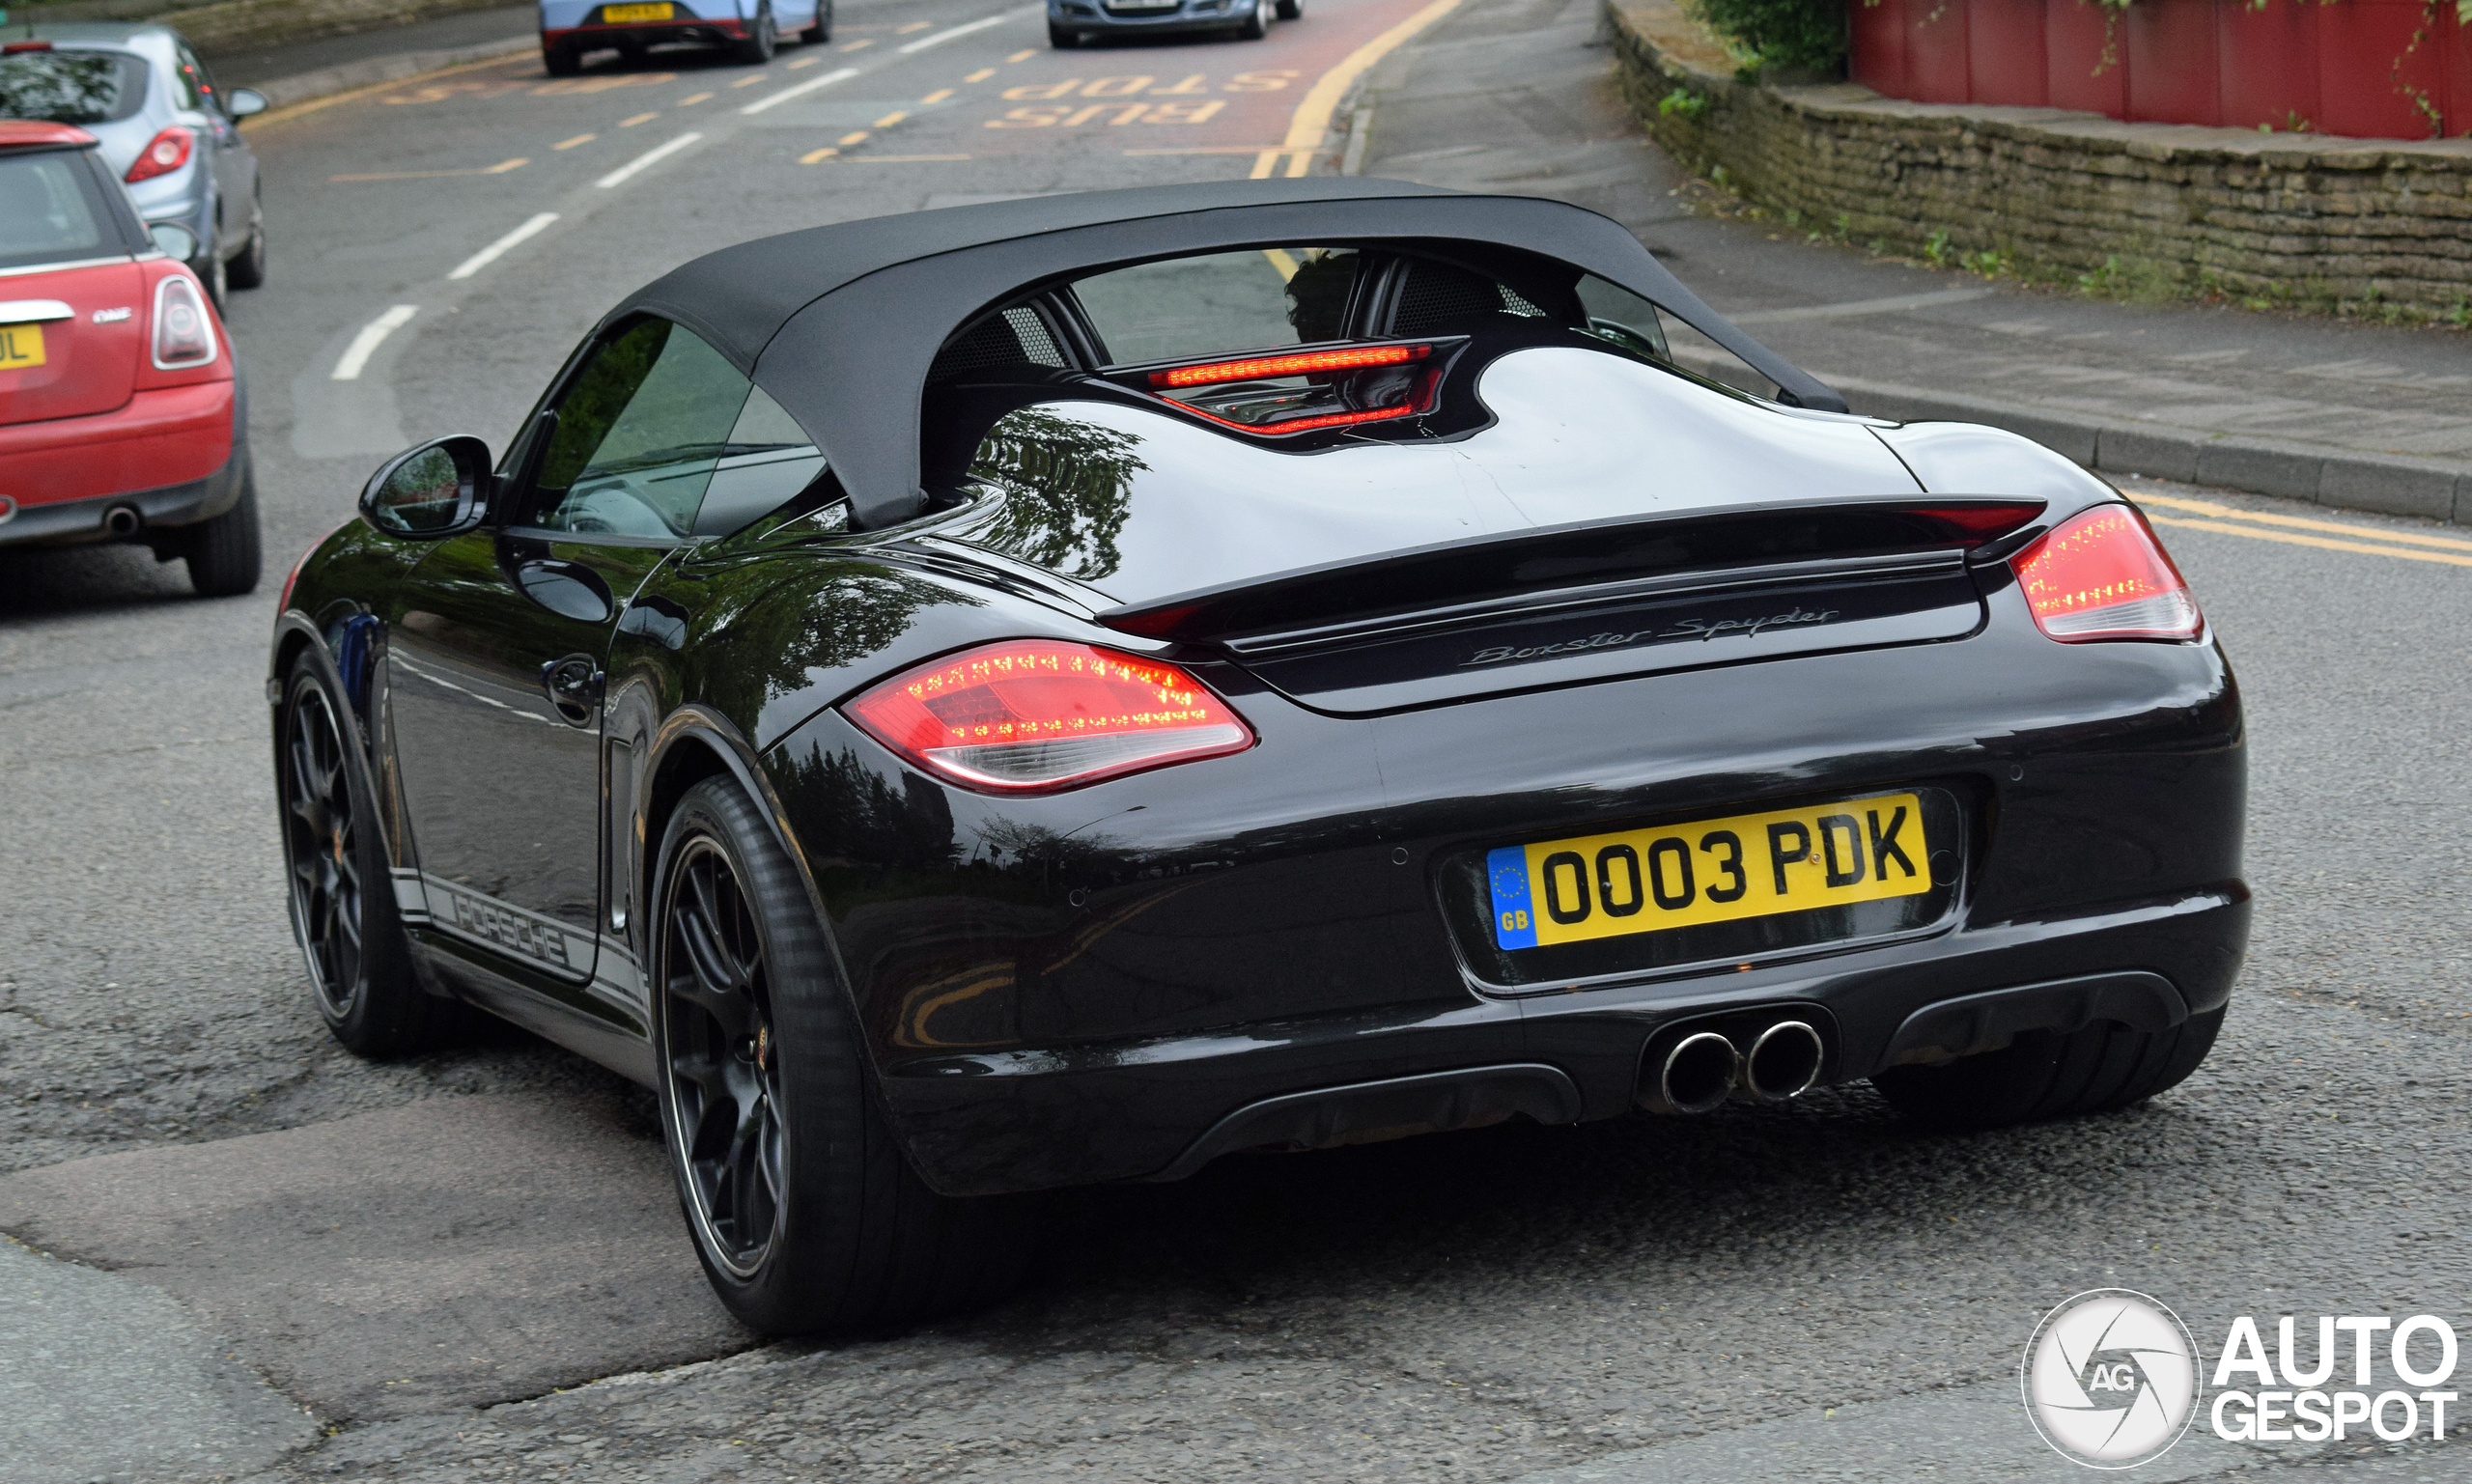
(1058, 690)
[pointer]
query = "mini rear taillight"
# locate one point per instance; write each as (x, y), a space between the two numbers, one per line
(2103, 576)
(1038, 716)
(163, 153)
(184, 332)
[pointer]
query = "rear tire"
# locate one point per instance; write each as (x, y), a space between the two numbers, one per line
(210, 272)
(803, 1211)
(1291, 9)
(561, 61)
(248, 271)
(2041, 1074)
(762, 39)
(821, 31)
(342, 896)
(224, 554)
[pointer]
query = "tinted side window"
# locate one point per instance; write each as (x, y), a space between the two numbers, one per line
(769, 462)
(1220, 302)
(639, 435)
(195, 88)
(1623, 318)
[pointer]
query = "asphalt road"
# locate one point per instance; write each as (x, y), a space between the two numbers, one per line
(468, 1265)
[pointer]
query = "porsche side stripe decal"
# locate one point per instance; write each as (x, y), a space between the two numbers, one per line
(412, 904)
(616, 978)
(545, 941)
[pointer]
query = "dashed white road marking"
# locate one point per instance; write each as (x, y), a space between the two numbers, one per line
(365, 344)
(942, 37)
(650, 157)
(837, 74)
(499, 249)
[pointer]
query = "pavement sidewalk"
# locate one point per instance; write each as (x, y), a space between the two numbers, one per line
(292, 73)
(1518, 97)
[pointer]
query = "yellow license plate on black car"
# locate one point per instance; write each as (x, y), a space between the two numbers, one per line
(20, 345)
(619, 13)
(1750, 865)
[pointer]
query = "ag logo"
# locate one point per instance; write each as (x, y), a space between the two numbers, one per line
(2111, 1379)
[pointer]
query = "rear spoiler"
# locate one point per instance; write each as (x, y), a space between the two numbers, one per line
(1580, 563)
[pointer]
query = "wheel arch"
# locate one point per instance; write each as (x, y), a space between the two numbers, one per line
(692, 744)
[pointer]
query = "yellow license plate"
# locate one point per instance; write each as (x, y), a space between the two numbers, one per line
(1750, 865)
(21, 344)
(616, 13)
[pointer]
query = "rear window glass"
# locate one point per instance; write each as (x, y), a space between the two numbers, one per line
(1251, 300)
(51, 215)
(71, 87)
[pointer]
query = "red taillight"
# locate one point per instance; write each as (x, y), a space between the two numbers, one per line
(1036, 715)
(15, 47)
(163, 153)
(1305, 423)
(2103, 576)
(1357, 358)
(184, 332)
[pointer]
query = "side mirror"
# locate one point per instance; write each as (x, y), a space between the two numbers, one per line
(174, 241)
(438, 489)
(242, 103)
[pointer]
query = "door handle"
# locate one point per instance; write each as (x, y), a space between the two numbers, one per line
(574, 686)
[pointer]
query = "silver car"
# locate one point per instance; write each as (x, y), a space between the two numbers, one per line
(167, 130)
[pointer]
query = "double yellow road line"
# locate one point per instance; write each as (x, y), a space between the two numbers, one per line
(1311, 121)
(2260, 525)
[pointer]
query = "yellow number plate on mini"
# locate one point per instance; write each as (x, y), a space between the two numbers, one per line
(618, 14)
(1750, 866)
(20, 345)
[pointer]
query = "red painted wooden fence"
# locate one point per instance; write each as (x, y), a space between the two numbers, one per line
(2367, 68)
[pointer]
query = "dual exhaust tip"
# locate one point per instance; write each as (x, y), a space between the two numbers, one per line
(1706, 1068)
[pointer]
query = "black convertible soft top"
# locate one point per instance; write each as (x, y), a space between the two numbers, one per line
(840, 323)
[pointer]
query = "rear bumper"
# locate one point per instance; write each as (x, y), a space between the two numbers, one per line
(1088, 17)
(648, 33)
(1161, 1110)
(1082, 988)
(177, 456)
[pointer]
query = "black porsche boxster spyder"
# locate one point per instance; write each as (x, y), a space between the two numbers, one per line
(1057, 690)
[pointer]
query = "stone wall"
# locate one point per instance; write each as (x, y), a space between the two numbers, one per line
(2294, 217)
(225, 24)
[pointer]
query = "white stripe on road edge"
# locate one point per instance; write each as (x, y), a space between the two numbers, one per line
(371, 335)
(844, 74)
(1886, 306)
(942, 37)
(627, 172)
(499, 248)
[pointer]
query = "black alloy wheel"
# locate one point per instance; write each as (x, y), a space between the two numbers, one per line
(762, 39)
(342, 898)
(821, 32)
(805, 1212)
(722, 1059)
